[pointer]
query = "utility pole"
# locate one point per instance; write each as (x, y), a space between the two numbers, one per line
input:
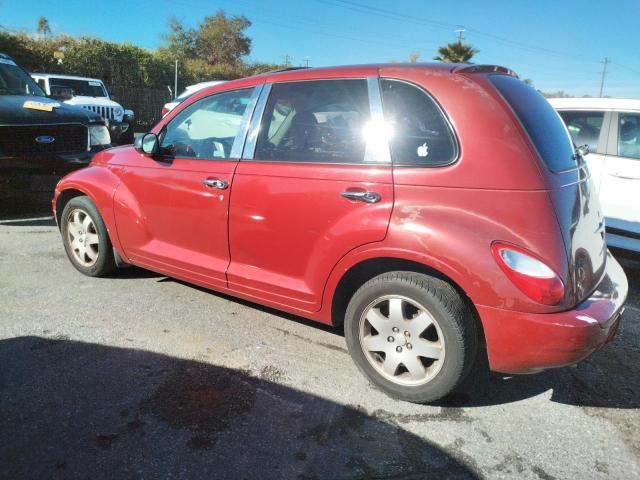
(306, 62)
(287, 59)
(604, 72)
(175, 81)
(460, 31)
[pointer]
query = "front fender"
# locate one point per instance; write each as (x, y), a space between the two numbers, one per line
(98, 183)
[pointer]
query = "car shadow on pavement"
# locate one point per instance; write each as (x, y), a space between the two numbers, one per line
(80, 410)
(608, 379)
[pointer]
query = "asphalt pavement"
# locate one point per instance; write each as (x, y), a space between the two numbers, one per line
(141, 376)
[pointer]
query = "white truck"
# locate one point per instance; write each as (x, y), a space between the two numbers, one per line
(90, 93)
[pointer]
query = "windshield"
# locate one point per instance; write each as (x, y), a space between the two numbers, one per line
(15, 81)
(84, 88)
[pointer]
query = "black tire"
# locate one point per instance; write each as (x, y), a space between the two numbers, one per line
(442, 302)
(104, 263)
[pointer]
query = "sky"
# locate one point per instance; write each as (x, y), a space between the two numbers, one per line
(559, 45)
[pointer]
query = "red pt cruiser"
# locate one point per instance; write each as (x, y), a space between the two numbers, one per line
(425, 209)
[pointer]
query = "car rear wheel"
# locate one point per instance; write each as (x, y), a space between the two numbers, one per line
(85, 238)
(411, 335)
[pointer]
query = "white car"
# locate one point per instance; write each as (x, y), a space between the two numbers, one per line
(190, 90)
(91, 94)
(611, 129)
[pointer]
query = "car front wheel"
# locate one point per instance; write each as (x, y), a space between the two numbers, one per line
(411, 334)
(85, 238)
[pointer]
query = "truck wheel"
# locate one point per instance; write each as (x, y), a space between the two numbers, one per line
(86, 239)
(411, 335)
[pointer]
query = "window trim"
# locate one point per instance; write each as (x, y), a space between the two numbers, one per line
(377, 156)
(241, 135)
(454, 134)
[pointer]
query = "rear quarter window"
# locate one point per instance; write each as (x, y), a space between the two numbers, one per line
(421, 135)
(541, 122)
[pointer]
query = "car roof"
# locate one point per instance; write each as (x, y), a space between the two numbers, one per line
(360, 71)
(595, 103)
(72, 77)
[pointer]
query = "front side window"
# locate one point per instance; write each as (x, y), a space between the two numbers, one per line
(321, 121)
(584, 127)
(420, 135)
(207, 128)
(629, 135)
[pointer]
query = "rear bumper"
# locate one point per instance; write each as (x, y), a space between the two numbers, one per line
(519, 342)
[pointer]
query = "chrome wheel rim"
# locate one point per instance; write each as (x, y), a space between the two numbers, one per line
(82, 237)
(401, 340)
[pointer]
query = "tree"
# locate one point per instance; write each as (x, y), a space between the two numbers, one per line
(181, 41)
(457, 52)
(221, 39)
(43, 29)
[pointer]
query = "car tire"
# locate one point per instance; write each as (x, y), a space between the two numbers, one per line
(412, 335)
(85, 238)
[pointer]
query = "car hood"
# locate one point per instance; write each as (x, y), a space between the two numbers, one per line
(12, 112)
(101, 101)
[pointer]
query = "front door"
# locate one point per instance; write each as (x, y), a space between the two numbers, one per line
(172, 210)
(314, 183)
(620, 184)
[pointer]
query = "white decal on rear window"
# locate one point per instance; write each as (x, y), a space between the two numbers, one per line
(423, 150)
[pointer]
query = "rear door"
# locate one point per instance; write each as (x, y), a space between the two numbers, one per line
(172, 210)
(314, 183)
(620, 188)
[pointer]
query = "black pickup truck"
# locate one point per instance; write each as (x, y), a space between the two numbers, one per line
(41, 139)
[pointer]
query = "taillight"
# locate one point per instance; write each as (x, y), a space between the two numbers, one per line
(529, 274)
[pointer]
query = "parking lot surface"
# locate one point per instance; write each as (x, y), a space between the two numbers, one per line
(141, 376)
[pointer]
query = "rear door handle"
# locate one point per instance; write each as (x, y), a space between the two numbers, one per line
(362, 196)
(215, 183)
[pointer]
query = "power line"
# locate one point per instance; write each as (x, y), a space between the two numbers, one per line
(351, 5)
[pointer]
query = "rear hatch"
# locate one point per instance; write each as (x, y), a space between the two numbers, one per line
(570, 186)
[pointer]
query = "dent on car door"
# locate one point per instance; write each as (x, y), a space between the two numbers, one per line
(311, 187)
(172, 209)
(621, 181)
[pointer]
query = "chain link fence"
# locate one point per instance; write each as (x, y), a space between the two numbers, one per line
(145, 102)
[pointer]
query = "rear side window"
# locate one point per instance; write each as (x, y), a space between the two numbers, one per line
(629, 135)
(317, 121)
(584, 127)
(420, 134)
(544, 126)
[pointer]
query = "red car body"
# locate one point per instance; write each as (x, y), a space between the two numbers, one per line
(281, 235)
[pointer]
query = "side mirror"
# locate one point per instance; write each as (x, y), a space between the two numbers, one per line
(581, 151)
(61, 93)
(147, 144)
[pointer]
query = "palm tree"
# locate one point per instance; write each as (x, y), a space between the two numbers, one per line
(456, 53)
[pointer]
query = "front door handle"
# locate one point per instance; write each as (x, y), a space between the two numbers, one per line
(215, 183)
(362, 196)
